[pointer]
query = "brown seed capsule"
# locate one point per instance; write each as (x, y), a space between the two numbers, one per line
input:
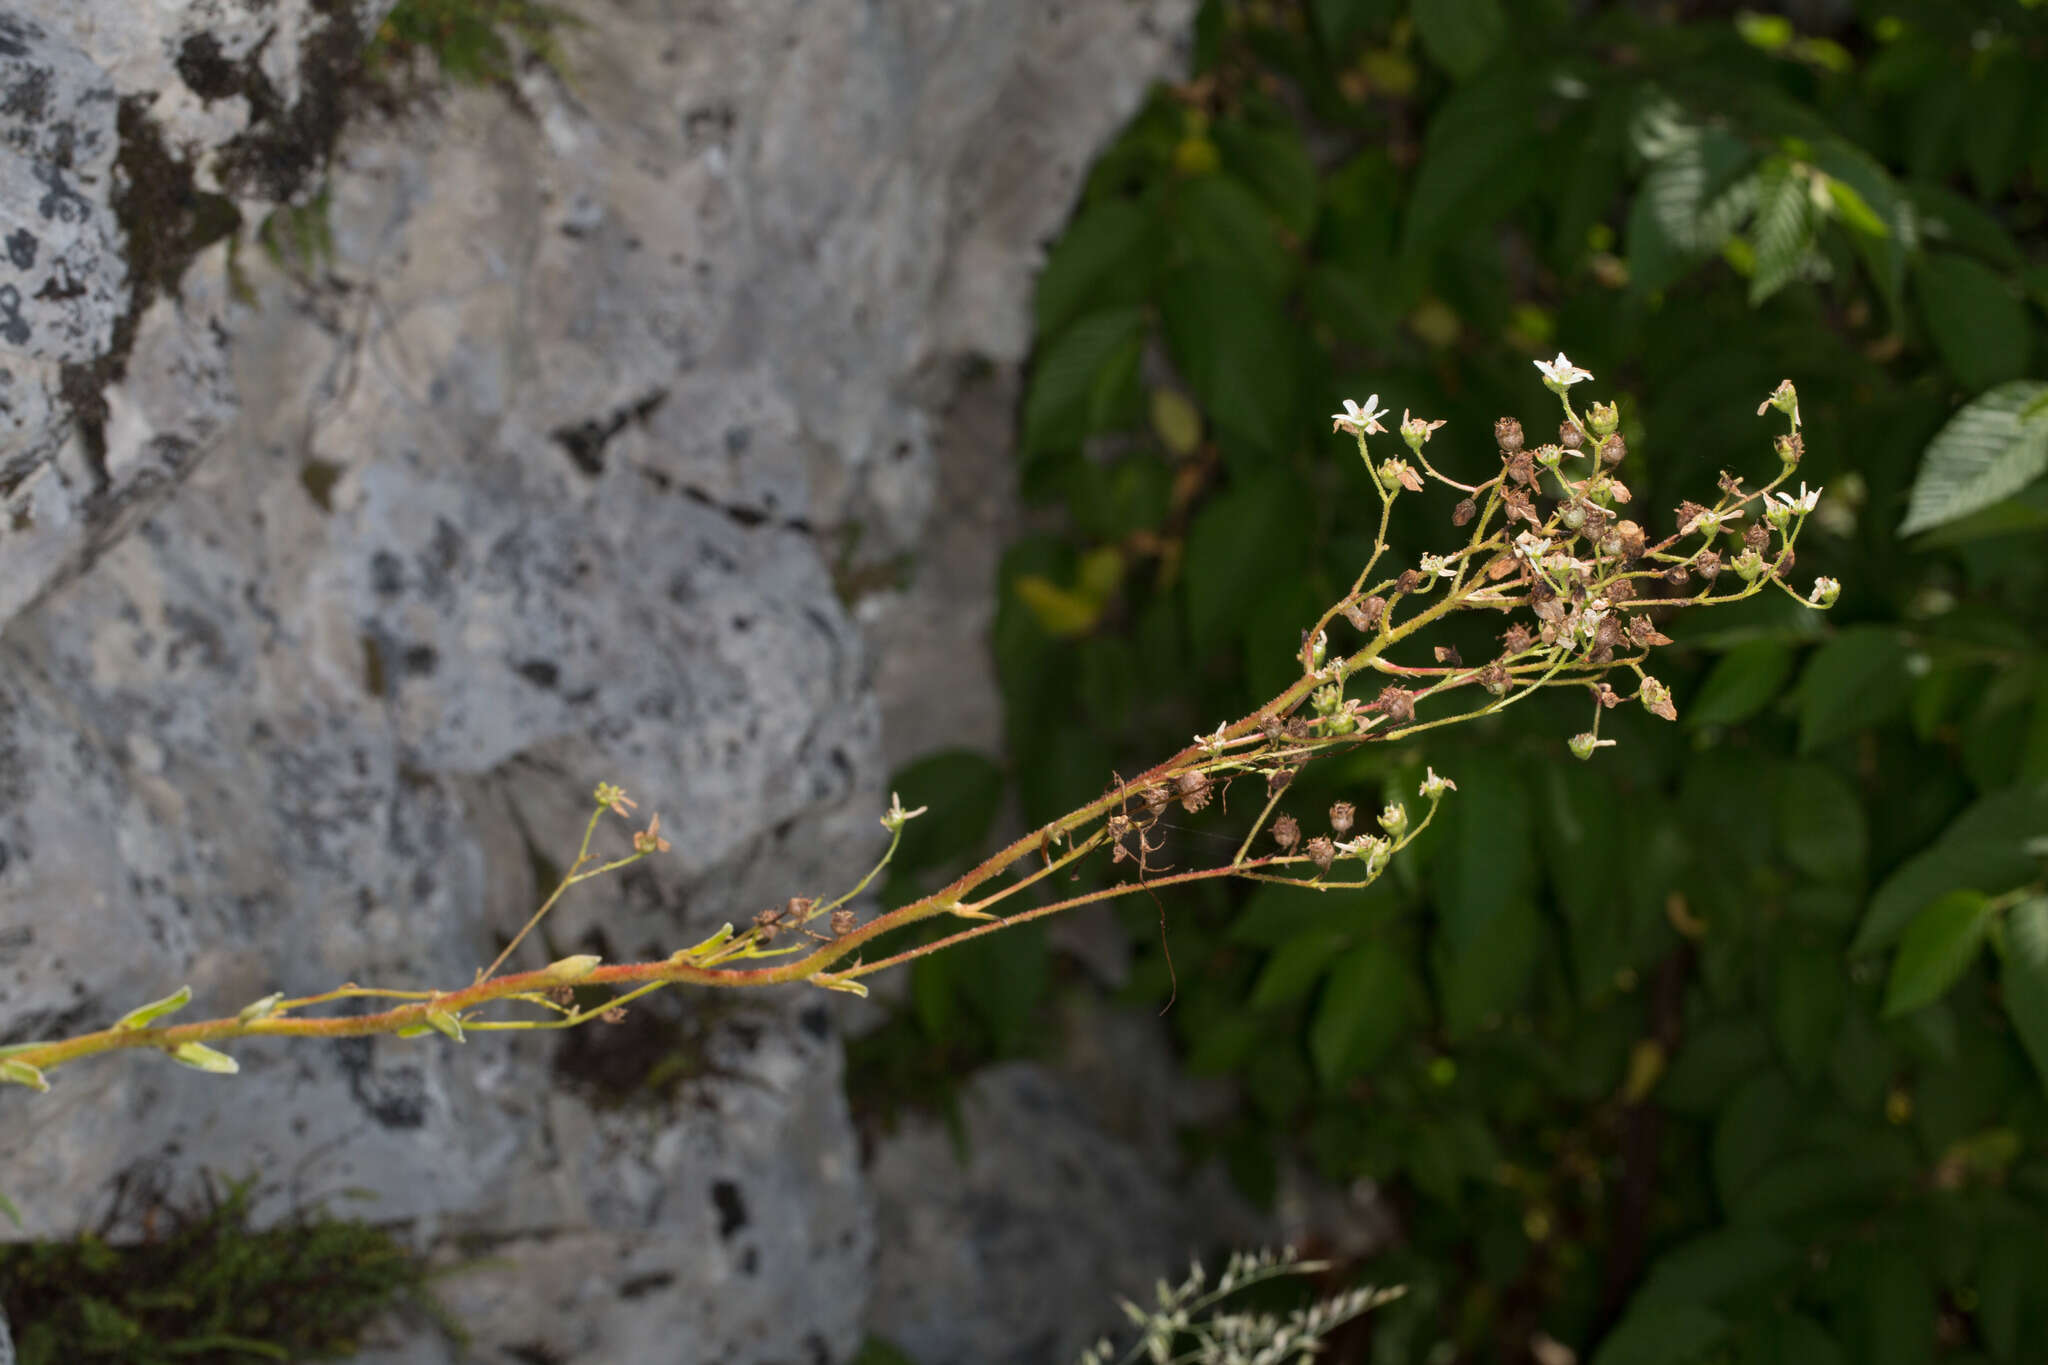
(1569, 436)
(1633, 542)
(1709, 564)
(1515, 638)
(1396, 704)
(1117, 826)
(1621, 590)
(1521, 467)
(1321, 851)
(1495, 679)
(615, 1015)
(1643, 632)
(842, 923)
(1677, 576)
(1606, 696)
(1194, 791)
(1286, 832)
(1689, 513)
(1365, 615)
(1507, 432)
(1607, 634)
(1277, 780)
(1157, 798)
(1409, 581)
(1786, 559)
(1598, 519)
(1613, 450)
(1342, 815)
(1298, 728)
(1757, 537)
(1269, 726)
(1462, 514)
(1520, 507)
(1448, 654)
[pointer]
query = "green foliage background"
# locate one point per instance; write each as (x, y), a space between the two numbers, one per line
(1729, 1045)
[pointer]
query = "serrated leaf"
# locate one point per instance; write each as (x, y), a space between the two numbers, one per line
(1072, 378)
(1743, 681)
(1983, 848)
(1221, 222)
(200, 1057)
(1273, 161)
(1783, 230)
(1107, 256)
(1975, 318)
(21, 1073)
(1474, 138)
(1854, 681)
(1363, 1009)
(1937, 947)
(1461, 36)
(1715, 1266)
(1991, 449)
(142, 1016)
(2024, 980)
(446, 1024)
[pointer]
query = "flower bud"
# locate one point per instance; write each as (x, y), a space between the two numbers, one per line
(1785, 399)
(1790, 449)
(1583, 744)
(1750, 565)
(1550, 457)
(570, 970)
(1825, 591)
(1603, 418)
(1394, 819)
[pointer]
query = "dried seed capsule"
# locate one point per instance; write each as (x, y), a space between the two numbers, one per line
(1194, 791)
(1286, 832)
(1507, 432)
(1321, 851)
(1342, 815)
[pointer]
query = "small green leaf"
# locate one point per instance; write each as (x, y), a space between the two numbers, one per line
(1783, 230)
(1994, 447)
(2024, 979)
(260, 1009)
(414, 1031)
(21, 1073)
(1743, 681)
(445, 1023)
(143, 1016)
(200, 1057)
(1854, 681)
(1937, 947)
(1984, 846)
(570, 970)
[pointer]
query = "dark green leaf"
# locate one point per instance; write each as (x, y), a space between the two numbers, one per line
(1751, 1130)
(1975, 318)
(1294, 968)
(1666, 1334)
(1476, 136)
(1486, 976)
(1743, 681)
(1854, 681)
(2024, 978)
(1107, 257)
(1938, 946)
(1821, 823)
(1983, 848)
(1239, 543)
(1713, 1267)
(1074, 380)
(1364, 1008)
(1486, 861)
(1991, 134)
(1461, 36)
(1230, 337)
(1790, 1339)
(1273, 162)
(1995, 446)
(1809, 990)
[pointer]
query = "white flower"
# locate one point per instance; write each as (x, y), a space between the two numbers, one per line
(1212, 744)
(1434, 787)
(1802, 504)
(1561, 373)
(1825, 591)
(1529, 545)
(1435, 566)
(1360, 421)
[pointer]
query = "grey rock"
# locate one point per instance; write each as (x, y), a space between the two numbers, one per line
(542, 479)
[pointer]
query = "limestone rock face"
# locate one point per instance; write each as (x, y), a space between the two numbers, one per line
(135, 137)
(336, 583)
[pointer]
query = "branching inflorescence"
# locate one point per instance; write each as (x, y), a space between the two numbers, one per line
(1546, 543)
